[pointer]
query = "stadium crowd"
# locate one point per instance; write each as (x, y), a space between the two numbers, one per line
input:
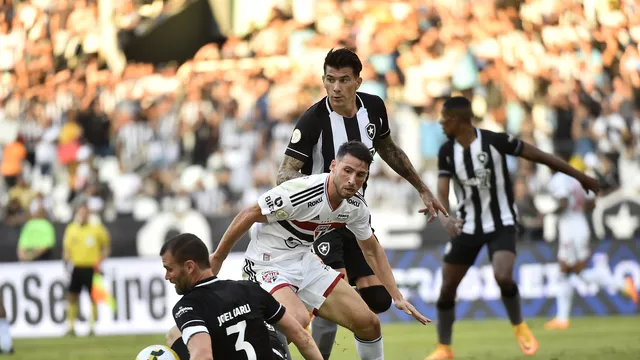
(210, 133)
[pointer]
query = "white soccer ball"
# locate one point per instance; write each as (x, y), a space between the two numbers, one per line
(157, 352)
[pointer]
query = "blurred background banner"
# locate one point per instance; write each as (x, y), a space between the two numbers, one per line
(34, 293)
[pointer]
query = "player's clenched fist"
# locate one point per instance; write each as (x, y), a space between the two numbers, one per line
(409, 309)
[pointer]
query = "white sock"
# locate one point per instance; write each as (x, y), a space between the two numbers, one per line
(370, 349)
(564, 298)
(6, 343)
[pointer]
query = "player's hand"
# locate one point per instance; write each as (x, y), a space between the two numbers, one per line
(590, 184)
(453, 225)
(433, 205)
(408, 309)
(216, 263)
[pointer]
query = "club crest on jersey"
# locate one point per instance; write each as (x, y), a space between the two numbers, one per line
(323, 248)
(371, 131)
(270, 276)
(483, 157)
(320, 230)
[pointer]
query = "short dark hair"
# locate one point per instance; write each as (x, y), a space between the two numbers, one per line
(356, 149)
(458, 107)
(186, 247)
(343, 58)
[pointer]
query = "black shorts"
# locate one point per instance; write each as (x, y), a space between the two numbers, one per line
(464, 248)
(339, 249)
(81, 277)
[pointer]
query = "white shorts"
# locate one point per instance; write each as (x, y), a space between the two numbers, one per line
(573, 249)
(311, 280)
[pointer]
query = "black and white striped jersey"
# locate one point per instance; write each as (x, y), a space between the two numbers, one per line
(320, 131)
(298, 212)
(481, 180)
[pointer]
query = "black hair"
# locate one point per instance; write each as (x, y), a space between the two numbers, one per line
(356, 149)
(458, 107)
(186, 247)
(343, 58)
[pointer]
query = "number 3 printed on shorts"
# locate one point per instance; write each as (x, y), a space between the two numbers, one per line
(242, 345)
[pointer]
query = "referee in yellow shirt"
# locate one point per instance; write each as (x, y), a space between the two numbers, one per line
(86, 244)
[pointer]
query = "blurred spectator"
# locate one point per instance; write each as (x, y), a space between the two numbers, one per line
(38, 237)
(13, 155)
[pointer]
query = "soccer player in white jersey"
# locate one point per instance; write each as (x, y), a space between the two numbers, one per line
(573, 247)
(284, 224)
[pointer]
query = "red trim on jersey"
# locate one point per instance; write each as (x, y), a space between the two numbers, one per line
(280, 286)
(311, 226)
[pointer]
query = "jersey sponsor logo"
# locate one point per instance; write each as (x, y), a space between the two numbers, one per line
(273, 205)
(482, 179)
(371, 131)
(270, 276)
(293, 243)
(230, 315)
(296, 136)
(314, 202)
(182, 310)
(324, 248)
(343, 217)
(353, 202)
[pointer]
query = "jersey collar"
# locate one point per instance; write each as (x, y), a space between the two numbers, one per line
(206, 281)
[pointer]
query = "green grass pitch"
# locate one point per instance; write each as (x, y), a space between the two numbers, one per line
(588, 338)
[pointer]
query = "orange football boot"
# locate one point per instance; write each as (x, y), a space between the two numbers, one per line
(526, 340)
(441, 352)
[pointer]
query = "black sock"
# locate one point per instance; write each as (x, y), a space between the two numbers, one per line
(180, 349)
(446, 317)
(511, 301)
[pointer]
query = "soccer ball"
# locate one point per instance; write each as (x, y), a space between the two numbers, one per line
(157, 352)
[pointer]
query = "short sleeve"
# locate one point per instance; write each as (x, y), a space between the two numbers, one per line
(304, 136)
(360, 226)
(189, 319)
(275, 204)
(505, 143)
(445, 161)
(385, 130)
(273, 311)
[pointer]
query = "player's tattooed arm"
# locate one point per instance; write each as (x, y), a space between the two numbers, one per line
(289, 169)
(400, 163)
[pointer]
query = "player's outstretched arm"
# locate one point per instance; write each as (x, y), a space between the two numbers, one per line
(238, 227)
(200, 347)
(534, 154)
(292, 329)
(289, 169)
(400, 163)
(377, 259)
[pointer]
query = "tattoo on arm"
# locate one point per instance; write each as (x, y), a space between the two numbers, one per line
(399, 162)
(289, 169)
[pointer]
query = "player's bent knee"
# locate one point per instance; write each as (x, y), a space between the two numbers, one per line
(377, 298)
(367, 326)
(504, 280)
(172, 335)
(443, 304)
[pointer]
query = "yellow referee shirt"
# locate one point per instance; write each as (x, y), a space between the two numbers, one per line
(84, 243)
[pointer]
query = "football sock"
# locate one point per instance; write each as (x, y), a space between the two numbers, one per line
(6, 344)
(72, 314)
(324, 334)
(180, 349)
(511, 301)
(370, 349)
(564, 298)
(601, 276)
(446, 317)
(94, 315)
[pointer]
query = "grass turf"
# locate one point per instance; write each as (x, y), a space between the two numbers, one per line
(588, 338)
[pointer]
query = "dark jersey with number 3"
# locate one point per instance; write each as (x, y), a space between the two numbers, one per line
(233, 313)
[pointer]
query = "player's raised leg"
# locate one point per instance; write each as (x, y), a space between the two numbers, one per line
(6, 344)
(344, 307)
(502, 262)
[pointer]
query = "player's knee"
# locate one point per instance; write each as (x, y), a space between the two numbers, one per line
(172, 335)
(504, 279)
(445, 304)
(377, 298)
(448, 290)
(367, 326)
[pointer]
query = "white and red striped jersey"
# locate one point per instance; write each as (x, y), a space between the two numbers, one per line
(298, 212)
